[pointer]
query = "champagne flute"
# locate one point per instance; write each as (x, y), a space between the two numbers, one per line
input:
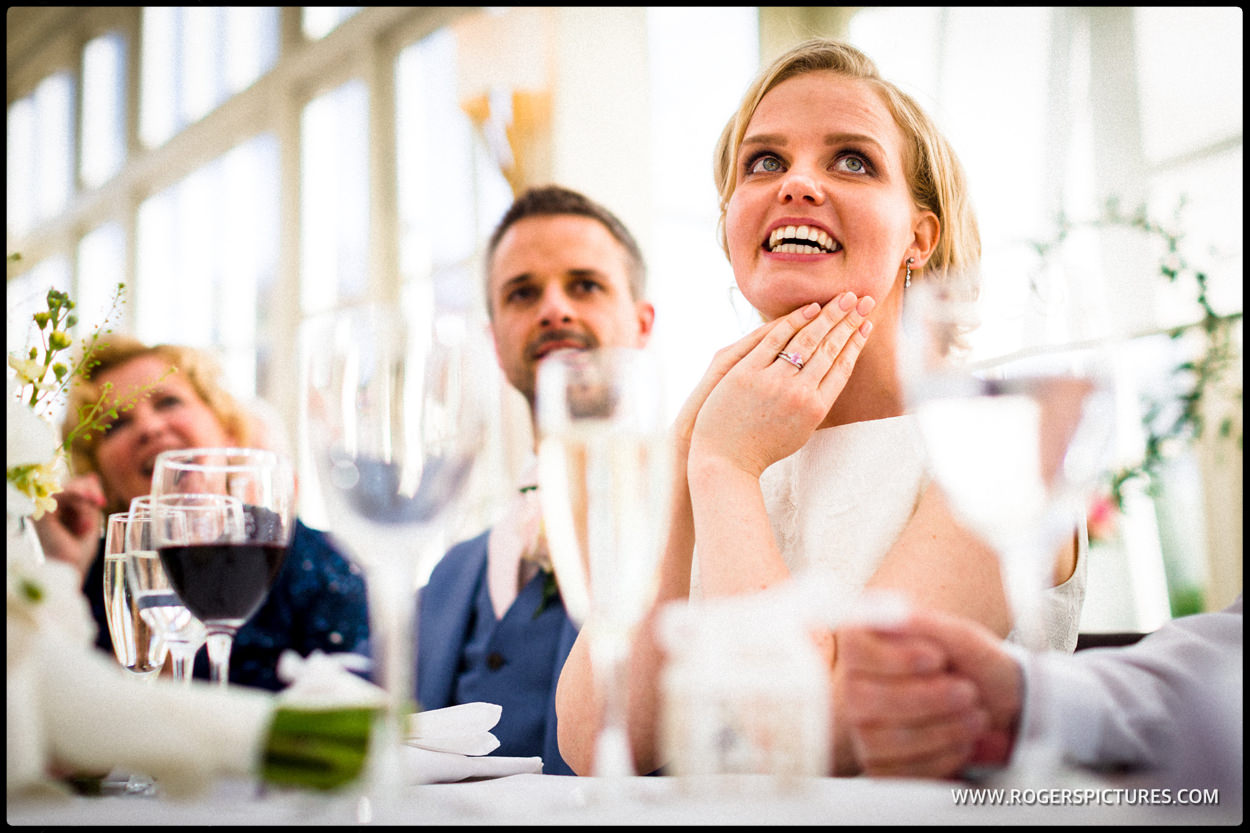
(604, 460)
(136, 644)
(223, 523)
(158, 602)
(393, 419)
(1018, 431)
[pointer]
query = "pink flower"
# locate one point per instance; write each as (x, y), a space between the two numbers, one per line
(1101, 520)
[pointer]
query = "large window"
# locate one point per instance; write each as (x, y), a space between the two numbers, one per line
(40, 154)
(239, 168)
(334, 197)
(196, 57)
(1055, 111)
(207, 257)
(689, 271)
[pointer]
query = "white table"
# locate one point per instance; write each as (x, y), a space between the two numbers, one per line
(550, 799)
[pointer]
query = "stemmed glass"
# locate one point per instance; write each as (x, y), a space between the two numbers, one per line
(223, 520)
(393, 419)
(158, 602)
(137, 645)
(1017, 414)
(604, 460)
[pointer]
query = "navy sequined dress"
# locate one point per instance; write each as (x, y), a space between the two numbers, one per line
(317, 603)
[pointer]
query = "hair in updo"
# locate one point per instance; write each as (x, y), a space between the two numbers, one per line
(934, 174)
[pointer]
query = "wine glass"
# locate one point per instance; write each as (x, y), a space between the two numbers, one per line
(1016, 407)
(158, 602)
(392, 420)
(137, 645)
(604, 459)
(223, 523)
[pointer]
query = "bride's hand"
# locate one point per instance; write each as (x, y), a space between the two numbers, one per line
(756, 407)
(722, 362)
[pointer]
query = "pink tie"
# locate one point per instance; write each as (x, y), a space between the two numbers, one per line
(515, 550)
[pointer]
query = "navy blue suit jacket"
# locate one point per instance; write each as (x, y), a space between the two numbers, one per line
(444, 618)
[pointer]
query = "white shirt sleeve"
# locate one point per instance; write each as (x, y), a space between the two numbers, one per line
(1172, 701)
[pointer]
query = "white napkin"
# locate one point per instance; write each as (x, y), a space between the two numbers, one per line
(425, 766)
(451, 744)
(463, 729)
(325, 681)
(440, 746)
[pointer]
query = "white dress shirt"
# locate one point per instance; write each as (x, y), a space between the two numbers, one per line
(1171, 702)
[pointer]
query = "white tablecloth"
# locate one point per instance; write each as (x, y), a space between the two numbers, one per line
(723, 800)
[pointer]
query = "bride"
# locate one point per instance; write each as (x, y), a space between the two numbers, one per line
(837, 193)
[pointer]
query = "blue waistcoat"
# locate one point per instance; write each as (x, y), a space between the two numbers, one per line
(465, 655)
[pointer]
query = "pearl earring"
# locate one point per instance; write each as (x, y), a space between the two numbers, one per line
(907, 280)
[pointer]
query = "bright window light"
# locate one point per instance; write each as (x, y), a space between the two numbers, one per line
(54, 144)
(103, 145)
(334, 191)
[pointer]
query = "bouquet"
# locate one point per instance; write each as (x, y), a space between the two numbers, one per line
(35, 460)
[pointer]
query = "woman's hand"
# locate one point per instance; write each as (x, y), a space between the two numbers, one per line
(753, 408)
(72, 533)
(722, 363)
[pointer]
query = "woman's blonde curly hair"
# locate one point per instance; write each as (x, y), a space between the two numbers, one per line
(196, 366)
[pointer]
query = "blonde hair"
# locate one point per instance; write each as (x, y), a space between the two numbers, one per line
(934, 175)
(197, 367)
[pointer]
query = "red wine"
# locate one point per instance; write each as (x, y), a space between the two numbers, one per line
(223, 583)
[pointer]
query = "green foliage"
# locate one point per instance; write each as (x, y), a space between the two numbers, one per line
(1171, 425)
(1184, 601)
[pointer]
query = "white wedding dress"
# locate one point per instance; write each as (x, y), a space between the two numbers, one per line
(840, 502)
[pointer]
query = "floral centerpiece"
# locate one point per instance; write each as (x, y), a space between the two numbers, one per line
(71, 710)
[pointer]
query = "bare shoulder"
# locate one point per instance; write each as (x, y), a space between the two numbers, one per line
(939, 563)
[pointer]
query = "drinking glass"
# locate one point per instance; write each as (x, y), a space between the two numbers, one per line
(158, 602)
(137, 645)
(1018, 429)
(604, 459)
(223, 520)
(393, 419)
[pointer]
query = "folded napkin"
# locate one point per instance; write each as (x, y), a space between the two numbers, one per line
(451, 744)
(425, 766)
(463, 729)
(440, 746)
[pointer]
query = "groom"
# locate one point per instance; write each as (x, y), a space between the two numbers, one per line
(561, 272)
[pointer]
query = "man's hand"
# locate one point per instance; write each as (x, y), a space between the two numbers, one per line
(929, 697)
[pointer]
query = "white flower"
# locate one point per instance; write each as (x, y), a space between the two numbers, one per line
(29, 439)
(33, 460)
(29, 371)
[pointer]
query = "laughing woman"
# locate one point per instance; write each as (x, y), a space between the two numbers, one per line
(318, 599)
(837, 193)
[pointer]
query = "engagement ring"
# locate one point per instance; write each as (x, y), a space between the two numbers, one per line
(793, 358)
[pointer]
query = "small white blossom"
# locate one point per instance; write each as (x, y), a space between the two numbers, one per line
(28, 438)
(33, 459)
(29, 371)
